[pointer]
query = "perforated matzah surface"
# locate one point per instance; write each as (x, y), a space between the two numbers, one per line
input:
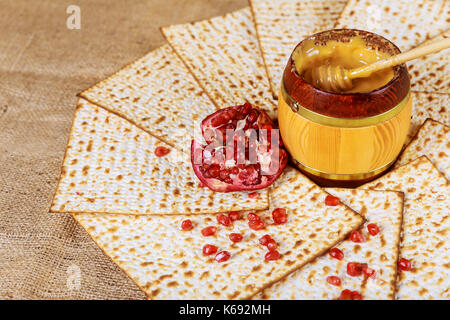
(282, 24)
(224, 56)
(110, 167)
(158, 94)
(167, 263)
(380, 252)
(407, 23)
(426, 227)
(433, 141)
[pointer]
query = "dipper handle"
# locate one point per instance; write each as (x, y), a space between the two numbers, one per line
(415, 53)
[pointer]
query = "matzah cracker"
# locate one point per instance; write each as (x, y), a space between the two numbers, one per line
(407, 23)
(426, 226)
(380, 252)
(224, 56)
(111, 167)
(428, 105)
(167, 263)
(282, 24)
(158, 94)
(431, 73)
(433, 141)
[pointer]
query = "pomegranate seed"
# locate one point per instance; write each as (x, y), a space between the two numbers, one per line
(223, 256)
(253, 116)
(186, 225)
(356, 295)
(332, 200)
(161, 151)
(272, 255)
(214, 170)
(253, 217)
(253, 195)
(345, 295)
(356, 236)
(209, 249)
(350, 295)
(223, 220)
(333, 280)
(236, 237)
(256, 224)
(209, 231)
(234, 215)
(369, 272)
(373, 229)
(279, 215)
(271, 245)
(264, 239)
(336, 253)
(355, 269)
(404, 264)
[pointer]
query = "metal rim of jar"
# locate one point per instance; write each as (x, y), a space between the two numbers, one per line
(342, 122)
(343, 176)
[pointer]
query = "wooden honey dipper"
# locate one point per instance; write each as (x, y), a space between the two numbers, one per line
(337, 78)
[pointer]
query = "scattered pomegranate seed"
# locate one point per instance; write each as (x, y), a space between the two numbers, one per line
(264, 239)
(404, 264)
(253, 217)
(209, 249)
(77, 193)
(236, 237)
(209, 231)
(201, 185)
(332, 200)
(356, 236)
(373, 229)
(161, 151)
(223, 220)
(271, 245)
(350, 295)
(272, 255)
(279, 215)
(256, 224)
(234, 215)
(253, 195)
(333, 280)
(223, 256)
(186, 225)
(355, 269)
(369, 272)
(356, 295)
(336, 253)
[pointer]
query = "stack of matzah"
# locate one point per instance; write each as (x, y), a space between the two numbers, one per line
(133, 202)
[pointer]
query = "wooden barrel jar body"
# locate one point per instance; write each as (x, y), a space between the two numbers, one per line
(344, 139)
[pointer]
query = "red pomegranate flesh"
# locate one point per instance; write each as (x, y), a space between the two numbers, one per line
(243, 150)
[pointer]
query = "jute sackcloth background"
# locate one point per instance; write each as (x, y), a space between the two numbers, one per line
(43, 65)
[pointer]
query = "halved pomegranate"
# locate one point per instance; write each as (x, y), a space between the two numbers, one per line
(243, 150)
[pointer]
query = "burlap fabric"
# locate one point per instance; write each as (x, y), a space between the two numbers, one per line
(43, 65)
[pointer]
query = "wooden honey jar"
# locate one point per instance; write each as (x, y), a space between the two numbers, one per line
(344, 139)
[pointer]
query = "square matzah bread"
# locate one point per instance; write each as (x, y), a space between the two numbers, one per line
(224, 56)
(110, 167)
(431, 73)
(407, 23)
(282, 24)
(158, 94)
(167, 263)
(433, 141)
(380, 252)
(428, 105)
(426, 226)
